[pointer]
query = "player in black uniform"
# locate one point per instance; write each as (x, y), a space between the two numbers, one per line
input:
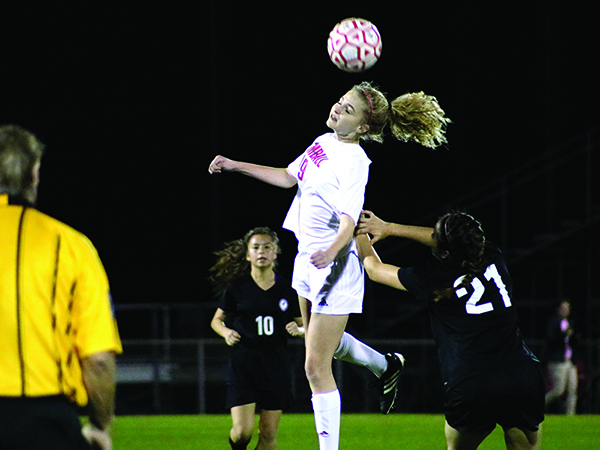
(489, 374)
(257, 310)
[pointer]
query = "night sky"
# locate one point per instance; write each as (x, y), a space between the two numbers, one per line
(133, 104)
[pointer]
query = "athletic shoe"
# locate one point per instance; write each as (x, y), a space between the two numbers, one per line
(389, 382)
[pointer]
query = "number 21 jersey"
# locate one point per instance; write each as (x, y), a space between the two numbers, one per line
(475, 329)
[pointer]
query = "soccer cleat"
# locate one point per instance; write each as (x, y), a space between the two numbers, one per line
(389, 382)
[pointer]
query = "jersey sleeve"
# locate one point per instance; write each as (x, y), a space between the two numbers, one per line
(227, 300)
(292, 297)
(93, 314)
(415, 282)
(353, 178)
(293, 168)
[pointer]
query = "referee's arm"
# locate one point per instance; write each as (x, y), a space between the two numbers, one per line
(98, 372)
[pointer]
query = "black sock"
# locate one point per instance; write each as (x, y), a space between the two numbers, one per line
(238, 445)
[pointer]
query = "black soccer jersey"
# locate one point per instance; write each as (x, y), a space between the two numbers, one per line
(476, 329)
(260, 360)
(260, 316)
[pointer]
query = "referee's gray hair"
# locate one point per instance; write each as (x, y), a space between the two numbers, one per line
(20, 153)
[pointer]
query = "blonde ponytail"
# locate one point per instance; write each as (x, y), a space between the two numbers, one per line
(418, 117)
(413, 117)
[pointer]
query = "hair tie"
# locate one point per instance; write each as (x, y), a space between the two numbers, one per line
(447, 230)
(370, 105)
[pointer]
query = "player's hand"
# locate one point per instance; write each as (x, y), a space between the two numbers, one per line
(97, 438)
(232, 337)
(321, 259)
(220, 164)
(293, 329)
(369, 223)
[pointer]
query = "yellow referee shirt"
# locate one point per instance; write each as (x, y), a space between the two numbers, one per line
(55, 305)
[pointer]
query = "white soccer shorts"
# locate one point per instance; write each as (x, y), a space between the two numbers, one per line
(337, 289)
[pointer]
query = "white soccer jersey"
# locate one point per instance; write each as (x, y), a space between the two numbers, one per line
(332, 177)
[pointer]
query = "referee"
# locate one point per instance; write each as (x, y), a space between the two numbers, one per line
(57, 331)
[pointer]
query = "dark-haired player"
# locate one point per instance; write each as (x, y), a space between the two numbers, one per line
(256, 310)
(490, 376)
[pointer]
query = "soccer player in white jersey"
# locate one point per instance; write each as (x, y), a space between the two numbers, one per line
(331, 176)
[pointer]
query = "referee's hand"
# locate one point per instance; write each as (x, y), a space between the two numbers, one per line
(97, 438)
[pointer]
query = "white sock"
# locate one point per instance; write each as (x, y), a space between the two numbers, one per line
(356, 352)
(328, 409)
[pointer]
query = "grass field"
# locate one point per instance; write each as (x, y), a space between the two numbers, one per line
(359, 432)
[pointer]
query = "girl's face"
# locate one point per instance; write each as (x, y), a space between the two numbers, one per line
(262, 253)
(347, 118)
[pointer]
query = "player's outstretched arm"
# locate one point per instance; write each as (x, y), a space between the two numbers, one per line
(377, 270)
(279, 177)
(380, 229)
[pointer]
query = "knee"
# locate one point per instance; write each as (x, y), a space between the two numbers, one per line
(240, 434)
(315, 370)
(310, 370)
(267, 436)
(516, 438)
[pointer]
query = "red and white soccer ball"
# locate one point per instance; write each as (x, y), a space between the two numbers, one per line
(354, 45)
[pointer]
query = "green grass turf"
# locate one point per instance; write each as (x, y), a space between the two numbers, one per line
(359, 432)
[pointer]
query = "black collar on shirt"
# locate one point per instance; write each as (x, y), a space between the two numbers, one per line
(19, 200)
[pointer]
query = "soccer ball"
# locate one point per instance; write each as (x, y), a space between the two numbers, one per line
(354, 45)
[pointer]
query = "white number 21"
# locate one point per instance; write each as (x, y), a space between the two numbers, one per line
(472, 307)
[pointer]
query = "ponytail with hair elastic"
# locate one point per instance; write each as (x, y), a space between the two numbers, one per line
(413, 117)
(462, 236)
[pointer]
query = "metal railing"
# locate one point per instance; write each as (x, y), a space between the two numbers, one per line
(161, 375)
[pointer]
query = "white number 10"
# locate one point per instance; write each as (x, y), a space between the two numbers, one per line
(491, 273)
(265, 325)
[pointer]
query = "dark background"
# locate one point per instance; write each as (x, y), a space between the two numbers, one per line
(134, 102)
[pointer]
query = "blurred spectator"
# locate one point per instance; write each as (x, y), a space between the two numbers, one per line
(562, 371)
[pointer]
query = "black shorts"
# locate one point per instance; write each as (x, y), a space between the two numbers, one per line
(261, 376)
(44, 423)
(512, 397)
(269, 400)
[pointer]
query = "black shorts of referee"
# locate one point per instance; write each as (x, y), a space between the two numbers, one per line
(40, 423)
(512, 397)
